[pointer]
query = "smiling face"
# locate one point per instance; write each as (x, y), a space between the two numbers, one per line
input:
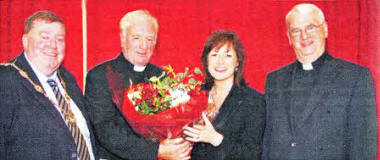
(44, 45)
(222, 61)
(307, 33)
(138, 41)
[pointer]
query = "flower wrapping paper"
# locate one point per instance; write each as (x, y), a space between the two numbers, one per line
(159, 126)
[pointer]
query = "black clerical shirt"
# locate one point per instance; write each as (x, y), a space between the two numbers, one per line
(125, 67)
(302, 84)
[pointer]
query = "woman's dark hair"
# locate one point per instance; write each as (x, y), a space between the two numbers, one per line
(218, 39)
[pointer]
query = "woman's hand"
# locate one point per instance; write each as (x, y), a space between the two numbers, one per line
(203, 133)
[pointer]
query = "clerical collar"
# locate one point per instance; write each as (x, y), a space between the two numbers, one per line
(315, 65)
(124, 63)
(307, 66)
(139, 68)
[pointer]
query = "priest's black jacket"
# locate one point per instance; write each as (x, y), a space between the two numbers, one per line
(114, 137)
(338, 120)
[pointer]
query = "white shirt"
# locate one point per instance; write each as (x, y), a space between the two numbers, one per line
(80, 120)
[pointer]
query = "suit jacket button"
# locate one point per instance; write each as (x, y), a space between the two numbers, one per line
(293, 144)
(74, 155)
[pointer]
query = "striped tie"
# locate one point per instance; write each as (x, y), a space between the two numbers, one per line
(64, 107)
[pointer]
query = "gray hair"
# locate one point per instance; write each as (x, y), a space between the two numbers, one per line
(128, 18)
(305, 7)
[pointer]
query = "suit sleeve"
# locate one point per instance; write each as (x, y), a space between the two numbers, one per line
(8, 103)
(111, 130)
(362, 126)
(248, 144)
(3, 96)
(267, 130)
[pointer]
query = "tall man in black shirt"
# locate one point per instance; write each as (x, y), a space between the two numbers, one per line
(115, 138)
(318, 107)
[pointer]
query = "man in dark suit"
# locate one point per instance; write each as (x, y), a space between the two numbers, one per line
(41, 104)
(115, 138)
(318, 107)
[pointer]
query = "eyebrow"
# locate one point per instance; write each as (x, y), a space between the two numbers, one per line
(137, 34)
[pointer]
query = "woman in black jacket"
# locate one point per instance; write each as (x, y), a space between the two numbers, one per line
(233, 124)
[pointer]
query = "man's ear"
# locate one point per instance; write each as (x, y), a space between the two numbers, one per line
(24, 41)
(122, 38)
(325, 29)
(287, 34)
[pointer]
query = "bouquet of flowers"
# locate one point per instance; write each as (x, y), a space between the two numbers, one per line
(165, 104)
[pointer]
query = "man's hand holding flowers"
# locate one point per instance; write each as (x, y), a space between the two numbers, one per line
(174, 149)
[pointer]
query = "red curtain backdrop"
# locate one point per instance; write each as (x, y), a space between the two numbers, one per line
(354, 33)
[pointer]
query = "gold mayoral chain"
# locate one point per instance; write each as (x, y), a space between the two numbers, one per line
(38, 88)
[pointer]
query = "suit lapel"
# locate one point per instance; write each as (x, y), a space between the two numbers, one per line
(23, 64)
(230, 105)
(46, 104)
(324, 79)
(69, 87)
(287, 95)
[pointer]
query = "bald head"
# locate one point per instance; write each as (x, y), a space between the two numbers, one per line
(305, 9)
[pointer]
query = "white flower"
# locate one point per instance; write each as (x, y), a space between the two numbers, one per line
(132, 96)
(178, 96)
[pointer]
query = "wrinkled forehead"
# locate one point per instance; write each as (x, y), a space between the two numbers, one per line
(301, 17)
(40, 22)
(142, 24)
(46, 26)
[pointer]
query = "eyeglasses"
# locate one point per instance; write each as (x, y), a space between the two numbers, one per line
(309, 29)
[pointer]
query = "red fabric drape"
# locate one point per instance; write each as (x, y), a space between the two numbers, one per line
(354, 32)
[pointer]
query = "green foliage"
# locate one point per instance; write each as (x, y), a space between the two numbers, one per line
(161, 87)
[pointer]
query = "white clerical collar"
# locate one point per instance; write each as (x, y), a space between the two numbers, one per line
(138, 68)
(307, 66)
